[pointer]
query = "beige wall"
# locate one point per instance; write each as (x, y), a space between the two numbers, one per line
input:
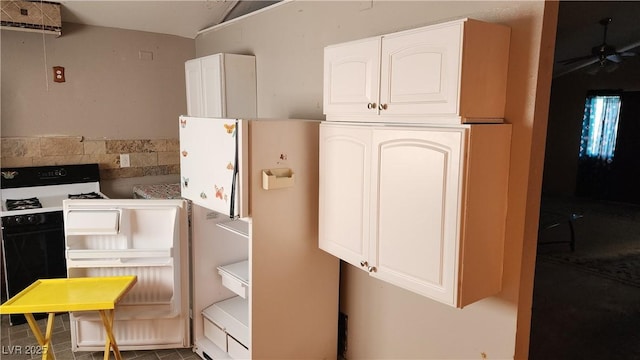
(385, 321)
(111, 93)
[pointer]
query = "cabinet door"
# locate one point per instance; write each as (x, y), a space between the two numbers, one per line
(212, 86)
(351, 78)
(345, 157)
(193, 80)
(415, 209)
(420, 71)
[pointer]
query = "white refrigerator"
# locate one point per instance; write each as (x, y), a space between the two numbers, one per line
(146, 238)
(245, 279)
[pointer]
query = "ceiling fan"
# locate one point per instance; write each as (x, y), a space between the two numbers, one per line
(604, 54)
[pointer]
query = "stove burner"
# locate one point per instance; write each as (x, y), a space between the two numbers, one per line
(23, 204)
(91, 195)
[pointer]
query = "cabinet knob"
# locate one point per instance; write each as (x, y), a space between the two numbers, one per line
(363, 263)
(372, 269)
(371, 105)
(382, 107)
(203, 195)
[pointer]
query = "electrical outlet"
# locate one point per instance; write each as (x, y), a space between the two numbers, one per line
(124, 160)
(58, 74)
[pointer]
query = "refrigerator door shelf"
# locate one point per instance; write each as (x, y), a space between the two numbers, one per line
(134, 312)
(93, 222)
(119, 254)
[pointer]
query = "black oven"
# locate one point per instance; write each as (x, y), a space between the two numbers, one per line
(33, 247)
(33, 241)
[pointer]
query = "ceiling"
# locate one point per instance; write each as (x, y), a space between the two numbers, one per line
(578, 22)
(181, 18)
(579, 30)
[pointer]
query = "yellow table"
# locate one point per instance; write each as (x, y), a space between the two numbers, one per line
(77, 294)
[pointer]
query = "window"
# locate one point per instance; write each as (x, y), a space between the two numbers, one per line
(600, 126)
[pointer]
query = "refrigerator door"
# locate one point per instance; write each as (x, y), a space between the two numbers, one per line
(211, 152)
(146, 238)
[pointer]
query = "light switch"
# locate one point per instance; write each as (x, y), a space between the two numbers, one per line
(124, 160)
(58, 74)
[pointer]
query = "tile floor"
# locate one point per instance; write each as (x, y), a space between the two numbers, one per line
(19, 338)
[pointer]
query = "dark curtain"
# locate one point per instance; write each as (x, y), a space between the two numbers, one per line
(625, 168)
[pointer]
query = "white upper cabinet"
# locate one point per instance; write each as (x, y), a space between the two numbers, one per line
(193, 80)
(448, 73)
(352, 78)
(422, 208)
(221, 85)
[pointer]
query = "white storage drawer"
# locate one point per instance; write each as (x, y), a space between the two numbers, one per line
(232, 315)
(235, 277)
(215, 334)
(236, 350)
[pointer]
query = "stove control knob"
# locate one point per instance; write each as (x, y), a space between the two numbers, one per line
(31, 219)
(19, 220)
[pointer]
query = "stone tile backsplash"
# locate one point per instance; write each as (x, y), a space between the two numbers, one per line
(147, 157)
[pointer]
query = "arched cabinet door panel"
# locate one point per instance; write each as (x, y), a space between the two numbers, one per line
(352, 78)
(417, 182)
(420, 207)
(345, 165)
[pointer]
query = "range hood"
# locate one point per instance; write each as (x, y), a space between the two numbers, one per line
(37, 16)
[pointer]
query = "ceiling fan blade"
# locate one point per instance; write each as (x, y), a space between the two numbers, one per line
(611, 67)
(629, 47)
(627, 53)
(594, 70)
(576, 59)
(616, 58)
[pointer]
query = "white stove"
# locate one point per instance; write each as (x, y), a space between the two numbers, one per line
(33, 245)
(49, 197)
(38, 189)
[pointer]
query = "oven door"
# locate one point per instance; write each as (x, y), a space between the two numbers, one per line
(31, 252)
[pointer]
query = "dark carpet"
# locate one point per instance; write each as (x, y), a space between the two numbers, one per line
(580, 315)
(624, 268)
(586, 303)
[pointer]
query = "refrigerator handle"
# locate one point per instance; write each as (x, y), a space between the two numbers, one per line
(234, 180)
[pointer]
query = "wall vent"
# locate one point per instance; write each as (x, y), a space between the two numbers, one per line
(37, 16)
